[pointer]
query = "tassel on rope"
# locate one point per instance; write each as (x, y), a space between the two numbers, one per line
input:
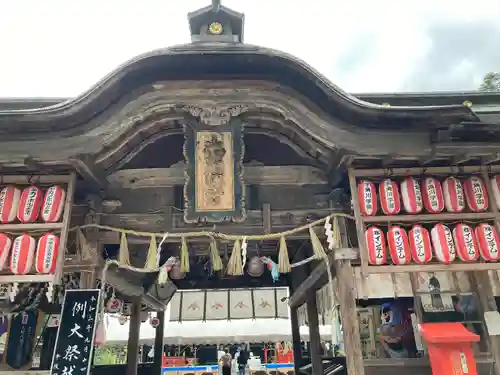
(215, 256)
(184, 256)
(124, 255)
(319, 252)
(151, 257)
(337, 243)
(235, 265)
(283, 261)
(83, 245)
(162, 276)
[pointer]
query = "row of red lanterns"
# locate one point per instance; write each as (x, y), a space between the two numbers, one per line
(430, 194)
(20, 253)
(30, 203)
(446, 245)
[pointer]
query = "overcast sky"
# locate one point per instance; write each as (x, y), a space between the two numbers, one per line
(63, 47)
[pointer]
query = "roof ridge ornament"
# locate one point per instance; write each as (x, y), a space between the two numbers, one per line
(216, 23)
(217, 114)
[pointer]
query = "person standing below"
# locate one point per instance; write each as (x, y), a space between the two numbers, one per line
(226, 360)
(242, 361)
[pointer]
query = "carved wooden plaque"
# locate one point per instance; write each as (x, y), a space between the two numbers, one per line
(214, 190)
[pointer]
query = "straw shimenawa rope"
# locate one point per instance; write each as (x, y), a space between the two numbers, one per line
(216, 235)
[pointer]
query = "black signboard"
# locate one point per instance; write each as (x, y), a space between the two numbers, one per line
(75, 336)
(21, 340)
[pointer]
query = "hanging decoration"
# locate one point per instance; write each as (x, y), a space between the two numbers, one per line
(465, 242)
(9, 203)
(124, 256)
(235, 265)
(411, 196)
(399, 247)
(53, 204)
(454, 199)
(152, 255)
(367, 198)
(155, 322)
(420, 244)
(489, 242)
(375, 240)
(475, 192)
(317, 247)
(283, 260)
(442, 242)
(432, 194)
(255, 267)
(215, 256)
(184, 256)
(389, 197)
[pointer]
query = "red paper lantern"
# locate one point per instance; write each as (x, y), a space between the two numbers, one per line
(21, 257)
(9, 203)
(432, 194)
(454, 199)
(465, 243)
(475, 192)
(367, 198)
(389, 197)
(411, 196)
(46, 253)
(5, 245)
(420, 244)
(375, 241)
(442, 242)
(53, 204)
(30, 204)
(155, 322)
(488, 241)
(399, 247)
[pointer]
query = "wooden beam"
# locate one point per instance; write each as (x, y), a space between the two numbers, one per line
(91, 173)
(133, 338)
(346, 286)
(63, 237)
(432, 267)
(346, 292)
(314, 335)
(316, 279)
(254, 175)
(419, 171)
(429, 217)
(280, 220)
(481, 283)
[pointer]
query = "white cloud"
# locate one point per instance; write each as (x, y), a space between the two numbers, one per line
(61, 48)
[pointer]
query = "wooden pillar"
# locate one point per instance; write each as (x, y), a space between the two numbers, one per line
(158, 348)
(346, 287)
(482, 287)
(314, 336)
(88, 277)
(133, 338)
(296, 342)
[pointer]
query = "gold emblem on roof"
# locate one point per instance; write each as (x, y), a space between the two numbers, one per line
(215, 28)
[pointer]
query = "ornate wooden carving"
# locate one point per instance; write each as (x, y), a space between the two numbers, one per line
(213, 149)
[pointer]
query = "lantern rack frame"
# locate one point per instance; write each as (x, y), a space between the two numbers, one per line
(492, 215)
(63, 226)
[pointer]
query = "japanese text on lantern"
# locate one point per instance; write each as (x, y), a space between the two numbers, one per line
(75, 337)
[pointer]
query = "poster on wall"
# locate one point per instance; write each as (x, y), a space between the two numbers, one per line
(258, 303)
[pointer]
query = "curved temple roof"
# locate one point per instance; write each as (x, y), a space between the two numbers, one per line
(138, 93)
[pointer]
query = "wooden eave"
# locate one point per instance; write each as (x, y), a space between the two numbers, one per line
(140, 100)
(226, 62)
